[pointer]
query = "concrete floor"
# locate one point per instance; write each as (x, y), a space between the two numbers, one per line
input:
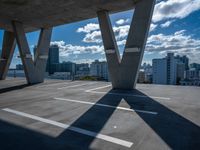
(65, 115)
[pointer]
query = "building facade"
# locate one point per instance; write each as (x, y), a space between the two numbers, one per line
(82, 70)
(171, 69)
(159, 71)
(19, 67)
(168, 70)
(53, 58)
(184, 60)
(99, 69)
(195, 65)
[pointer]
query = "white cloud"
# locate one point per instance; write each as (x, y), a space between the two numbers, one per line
(122, 42)
(122, 21)
(68, 49)
(172, 9)
(121, 31)
(153, 27)
(88, 28)
(79, 61)
(93, 37)
(167, 23)
(179, 43)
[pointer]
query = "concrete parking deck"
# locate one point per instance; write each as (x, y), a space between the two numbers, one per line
(65, 115)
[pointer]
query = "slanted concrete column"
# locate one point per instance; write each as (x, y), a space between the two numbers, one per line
(110, 46)
(8, 48)
(34, 69)
(124, 73)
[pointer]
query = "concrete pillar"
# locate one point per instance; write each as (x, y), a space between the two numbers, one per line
(8, 48)
(124, 72)
(34, 69)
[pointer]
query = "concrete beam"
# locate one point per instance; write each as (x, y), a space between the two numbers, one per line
(8, 48)
(124, 72)
(34, 69)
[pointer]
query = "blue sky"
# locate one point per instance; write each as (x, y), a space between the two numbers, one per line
(175, 28)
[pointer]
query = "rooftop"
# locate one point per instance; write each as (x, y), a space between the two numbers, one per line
(89, 115)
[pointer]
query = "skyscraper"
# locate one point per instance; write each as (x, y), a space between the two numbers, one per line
(183, 59)
(171, 69)
(165, 70)
(159, 71)
(53, 58)
(53, 54)
(180, 71)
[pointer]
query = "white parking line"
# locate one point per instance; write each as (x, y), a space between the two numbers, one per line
(74, 129)
(109, 106)
(59, 83)
(122, 94)
(77, 85)
(97, 88)
(128, 94)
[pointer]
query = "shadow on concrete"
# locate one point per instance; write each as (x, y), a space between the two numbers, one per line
(176, 131)
(13, 88)
(14, 137)
(94, 120)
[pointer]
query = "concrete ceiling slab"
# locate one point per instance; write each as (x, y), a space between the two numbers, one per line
(36, 14)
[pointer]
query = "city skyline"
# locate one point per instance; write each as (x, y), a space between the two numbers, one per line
(169, 70)
(147, 63)
(127, 79)
(177, 31)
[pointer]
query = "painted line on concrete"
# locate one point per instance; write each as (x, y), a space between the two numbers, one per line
(109, 106)
(127, 94)
(122, 94)
(58, 83)
(102, 87)
(77, 85)
(74, 129)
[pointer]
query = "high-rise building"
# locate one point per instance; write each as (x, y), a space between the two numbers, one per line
(159, 71)
(165, 70)
(53, 54)
(183, 59)
(53, 58)
(171, 69)
(195, 65)
(180, 71)
(99, 69)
